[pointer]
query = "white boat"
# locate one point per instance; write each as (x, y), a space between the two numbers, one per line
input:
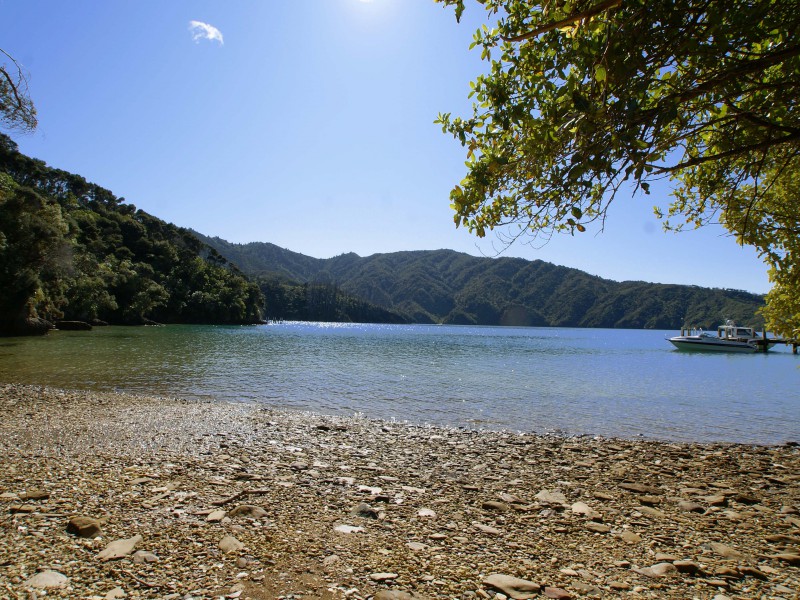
(729, 338)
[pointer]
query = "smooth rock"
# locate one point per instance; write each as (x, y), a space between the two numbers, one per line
(426, 513)
(216, 516)
(598, 527)
(396, 595)
(383, 576)
(630, 537)
(115, 594)
(487, 529)
(658, 570)
(516, 588)
(495, 506)
(230, 544)
(725, 551)
(348, 529)
(552, 498)
(365, 511)
(640, 488)
(46, 579)
(119, 548)
(85, 527)
(141, 557)
(650, 512)
(248, 510)
(581, 508)
(687, 566)
(556, 593)
(693, 507)
(788, 557)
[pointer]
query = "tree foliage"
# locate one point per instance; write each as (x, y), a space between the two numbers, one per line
(71, 249)
(585, 98)
(17, 111)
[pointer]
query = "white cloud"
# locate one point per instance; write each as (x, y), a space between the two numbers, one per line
(204, 31)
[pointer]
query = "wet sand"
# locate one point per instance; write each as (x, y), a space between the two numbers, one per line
(237, 501)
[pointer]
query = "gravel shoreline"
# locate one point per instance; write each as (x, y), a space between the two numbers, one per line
(238, 501)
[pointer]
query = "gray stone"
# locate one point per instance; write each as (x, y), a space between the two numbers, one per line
(230, 544)
(141, 557)
(248, 510)
(365, 511)
(658, 570)
(119, 548)
(47, 579)
(516, 588)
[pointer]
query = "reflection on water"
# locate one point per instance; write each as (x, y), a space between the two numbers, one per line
(585, 381)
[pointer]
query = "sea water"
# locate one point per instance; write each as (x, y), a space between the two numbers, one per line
(617, 383)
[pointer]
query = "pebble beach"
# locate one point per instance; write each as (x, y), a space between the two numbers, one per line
(106, 495)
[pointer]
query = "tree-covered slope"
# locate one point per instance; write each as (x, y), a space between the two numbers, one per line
(70, 249)
(444, 286)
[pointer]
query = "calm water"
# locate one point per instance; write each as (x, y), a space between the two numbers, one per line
(579, 381)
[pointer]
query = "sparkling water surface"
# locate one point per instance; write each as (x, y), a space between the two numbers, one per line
(620, 383)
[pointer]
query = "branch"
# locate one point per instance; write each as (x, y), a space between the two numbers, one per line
(590, 12)
(736, 151)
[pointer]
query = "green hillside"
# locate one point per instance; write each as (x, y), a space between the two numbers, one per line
(444, 286)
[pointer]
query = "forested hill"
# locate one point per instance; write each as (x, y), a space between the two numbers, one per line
(71, 250)
(451, 287)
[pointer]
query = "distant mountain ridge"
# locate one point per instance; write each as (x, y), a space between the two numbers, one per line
(445, 286)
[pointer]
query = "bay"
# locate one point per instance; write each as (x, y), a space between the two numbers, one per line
(614, 383)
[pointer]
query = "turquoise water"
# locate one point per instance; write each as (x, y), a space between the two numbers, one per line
(623, 383)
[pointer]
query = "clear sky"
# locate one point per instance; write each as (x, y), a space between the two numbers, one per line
(307, 124)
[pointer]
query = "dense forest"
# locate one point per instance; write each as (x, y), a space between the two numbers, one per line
(71, 250)
(444, 286)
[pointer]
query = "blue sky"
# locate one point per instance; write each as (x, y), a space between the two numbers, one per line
(307, 124)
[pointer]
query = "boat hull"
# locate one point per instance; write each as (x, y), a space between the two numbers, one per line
(712, 345)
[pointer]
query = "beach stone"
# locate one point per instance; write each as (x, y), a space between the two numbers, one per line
(598, 527)
(216, 516)
(651, 512)
(47, 579)
(693, 507)
(486, 529)
(396, 595)
(658, 570)
(119, 548)
(687, 566)
(383, 576)
(640, 488)
(551, 498)
(34, 495)
(230, 544)
(348, 529)
(556, 593)
(581, 508)
(716, 500)
(620, 586)
(417, 546)
(115, 594)
(248, 510)
(426, 513)
(85, 527)
(725, 551)
(495, 506)
(630, 537)
(514, 587)
(365, 511)
(753, 572)
(788, 557)
(141, 557)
